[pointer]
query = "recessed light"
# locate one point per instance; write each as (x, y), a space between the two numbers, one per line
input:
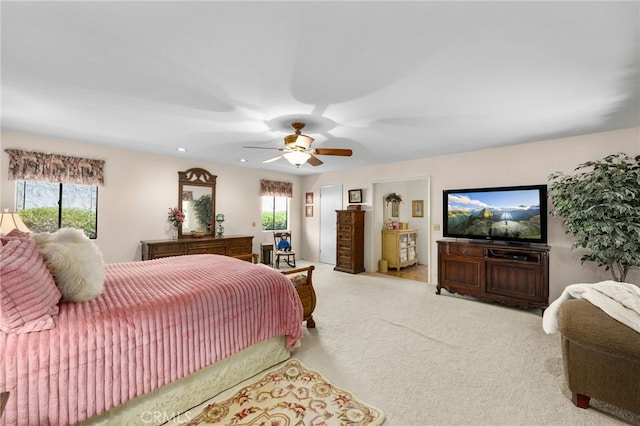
(181, 149)
(243, 160)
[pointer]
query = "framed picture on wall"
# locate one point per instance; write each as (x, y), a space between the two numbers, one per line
(355, 196)
(308, 211)
(417, 208)
(308, 198)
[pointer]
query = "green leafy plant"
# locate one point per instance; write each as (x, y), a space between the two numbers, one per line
(600, 207)
(393, 197)
(204, 210)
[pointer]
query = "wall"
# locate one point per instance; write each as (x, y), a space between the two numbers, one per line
(523, 164)
(140, 188)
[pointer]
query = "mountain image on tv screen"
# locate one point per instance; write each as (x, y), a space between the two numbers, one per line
(495, 214)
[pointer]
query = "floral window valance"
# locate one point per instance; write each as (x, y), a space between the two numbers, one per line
(274, 188)
(30, 165)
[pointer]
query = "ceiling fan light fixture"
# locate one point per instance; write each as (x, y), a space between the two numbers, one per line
(297, 158)
(298, 141)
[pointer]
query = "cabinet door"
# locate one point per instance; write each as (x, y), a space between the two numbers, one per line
(412, 250)
(390, 248)
(514, 279)
(465, 272)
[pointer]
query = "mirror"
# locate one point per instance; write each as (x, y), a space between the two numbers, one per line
(197, 200)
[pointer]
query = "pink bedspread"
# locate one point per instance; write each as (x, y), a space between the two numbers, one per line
(157, 321)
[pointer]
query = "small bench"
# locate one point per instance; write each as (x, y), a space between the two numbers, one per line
(301, 279)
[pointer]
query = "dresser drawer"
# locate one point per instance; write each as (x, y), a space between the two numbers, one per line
(238, 251)
(345, 245)
(345, 230)
(345, 218)
(344, 261)
(164, 250)
(239, 242)
(239, 247)
(466, 250)
(206, 247)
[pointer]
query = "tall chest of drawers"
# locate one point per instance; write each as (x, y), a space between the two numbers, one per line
(350, 241)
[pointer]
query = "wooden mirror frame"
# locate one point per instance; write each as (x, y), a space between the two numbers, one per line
(197, 177)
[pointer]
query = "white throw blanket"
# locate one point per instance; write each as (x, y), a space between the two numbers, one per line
(620, 301)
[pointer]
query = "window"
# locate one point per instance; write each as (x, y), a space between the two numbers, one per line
(48, 206)
(275, 213)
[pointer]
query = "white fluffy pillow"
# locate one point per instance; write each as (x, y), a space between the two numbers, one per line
(75, 263)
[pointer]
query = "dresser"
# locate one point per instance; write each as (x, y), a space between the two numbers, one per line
(350, 241)
(400, 247)
(240, 246)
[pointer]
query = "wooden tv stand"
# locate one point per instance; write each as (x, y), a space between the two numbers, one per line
(512, 275)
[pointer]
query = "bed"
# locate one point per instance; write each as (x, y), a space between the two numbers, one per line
(164, 335)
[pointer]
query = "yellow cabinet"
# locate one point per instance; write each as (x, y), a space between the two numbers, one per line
(400, 247)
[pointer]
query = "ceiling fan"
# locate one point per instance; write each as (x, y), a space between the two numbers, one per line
(297, 149)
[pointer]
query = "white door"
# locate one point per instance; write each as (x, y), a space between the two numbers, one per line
(330, 201)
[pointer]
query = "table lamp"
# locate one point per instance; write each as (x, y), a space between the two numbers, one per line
(10, 221)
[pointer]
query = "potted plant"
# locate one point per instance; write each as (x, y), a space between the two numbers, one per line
(600, 207)
(203, 209)
(393, 197)
(394, 200)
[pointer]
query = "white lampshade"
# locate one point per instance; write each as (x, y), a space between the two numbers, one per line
(10, 221)
(296, 157)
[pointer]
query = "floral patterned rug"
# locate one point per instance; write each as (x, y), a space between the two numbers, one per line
(290, 395)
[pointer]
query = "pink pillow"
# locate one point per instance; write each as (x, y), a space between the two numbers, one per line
(14, 234)
(28, 295)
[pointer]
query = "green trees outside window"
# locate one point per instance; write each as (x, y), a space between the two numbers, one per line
(275, 213)
(48, 206)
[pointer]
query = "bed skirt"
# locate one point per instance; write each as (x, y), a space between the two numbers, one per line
(160, 405)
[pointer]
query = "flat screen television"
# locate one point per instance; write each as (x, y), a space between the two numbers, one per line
(510, 214)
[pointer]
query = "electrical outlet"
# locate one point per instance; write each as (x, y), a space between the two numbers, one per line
(436, 226)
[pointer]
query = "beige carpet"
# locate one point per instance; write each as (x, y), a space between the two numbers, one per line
(290, 394)
(427, 359)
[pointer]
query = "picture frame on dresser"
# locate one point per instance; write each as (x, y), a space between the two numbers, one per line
(355, 196)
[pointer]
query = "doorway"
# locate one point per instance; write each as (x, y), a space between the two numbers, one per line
(410, 189)
(330, 201)
(417, 272)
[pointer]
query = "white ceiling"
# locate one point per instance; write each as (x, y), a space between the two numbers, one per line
(391, 80)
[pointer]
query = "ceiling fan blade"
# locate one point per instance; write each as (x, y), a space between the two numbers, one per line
(273, 159)
(333, 151)
(314, 161)
(263, 147)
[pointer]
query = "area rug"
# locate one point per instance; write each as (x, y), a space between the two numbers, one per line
(290, 395)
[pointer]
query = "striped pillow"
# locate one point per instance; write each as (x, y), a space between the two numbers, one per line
(28, 294)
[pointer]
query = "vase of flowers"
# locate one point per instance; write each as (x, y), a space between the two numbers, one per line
(175, 217)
